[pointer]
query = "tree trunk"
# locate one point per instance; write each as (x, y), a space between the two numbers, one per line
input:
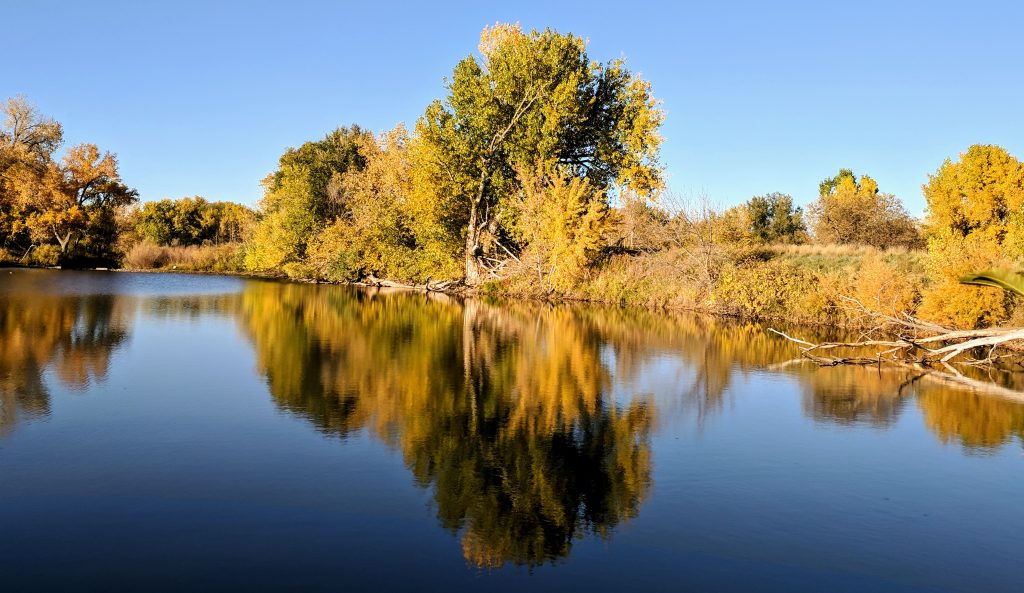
(473, 272)
(63, 241)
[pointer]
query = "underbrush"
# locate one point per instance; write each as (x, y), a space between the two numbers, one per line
(226, 257)
(795, 286)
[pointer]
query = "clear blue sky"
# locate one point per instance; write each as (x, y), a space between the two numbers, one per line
(202, 97)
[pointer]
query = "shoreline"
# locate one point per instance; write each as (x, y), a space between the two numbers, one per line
(456, 288)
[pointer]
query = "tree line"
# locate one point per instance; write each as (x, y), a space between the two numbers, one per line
(538, 172)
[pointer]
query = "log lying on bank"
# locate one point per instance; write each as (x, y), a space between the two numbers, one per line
(428, 286)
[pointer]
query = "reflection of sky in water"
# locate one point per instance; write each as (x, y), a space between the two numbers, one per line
(68, 282)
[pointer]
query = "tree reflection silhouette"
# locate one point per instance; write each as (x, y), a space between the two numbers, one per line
(74, 335)
(501, 411)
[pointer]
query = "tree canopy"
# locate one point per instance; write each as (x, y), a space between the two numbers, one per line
(302, 196)
(528, 100)
(64, 209)
(852, 211)
(773, 219)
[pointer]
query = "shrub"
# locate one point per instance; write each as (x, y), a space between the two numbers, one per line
(227, 257)
(885, 287)
(299, 270)
(773, 289)
(45, 255)
(944, 299)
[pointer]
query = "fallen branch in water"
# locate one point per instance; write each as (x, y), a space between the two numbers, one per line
(927, 350)
(915, 341)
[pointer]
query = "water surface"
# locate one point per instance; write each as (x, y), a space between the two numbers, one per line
(171, 432)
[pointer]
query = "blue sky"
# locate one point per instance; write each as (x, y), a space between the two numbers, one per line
(202, 97)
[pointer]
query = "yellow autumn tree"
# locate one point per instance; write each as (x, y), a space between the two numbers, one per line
(853, 211)
(562, 222)
(975, 222)
(372, 234)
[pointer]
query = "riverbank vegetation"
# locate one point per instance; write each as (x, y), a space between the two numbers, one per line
(538, 175)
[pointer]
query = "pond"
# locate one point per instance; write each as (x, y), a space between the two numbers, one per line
(172, 432)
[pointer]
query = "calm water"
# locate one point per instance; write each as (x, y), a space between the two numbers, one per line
(165, 432)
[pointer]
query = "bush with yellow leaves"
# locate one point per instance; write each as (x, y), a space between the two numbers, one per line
(948, 302)
(885, 286)
(773, 290)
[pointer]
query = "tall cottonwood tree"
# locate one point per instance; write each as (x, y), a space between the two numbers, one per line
(528, 100)
(27, 143)
(975, 222)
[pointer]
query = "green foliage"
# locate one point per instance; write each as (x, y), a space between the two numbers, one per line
(773, 219)
(193, 221)
(302, 196)
(531, 99)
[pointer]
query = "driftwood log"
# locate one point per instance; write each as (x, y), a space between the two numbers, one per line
(933, 351)
(428, 286)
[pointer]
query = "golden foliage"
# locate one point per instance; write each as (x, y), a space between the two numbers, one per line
(72, 335)
(973, 420)
(944, 299)
(851, 211)
(562, 223)
(885, 287)
(982, 191)
(773, 290)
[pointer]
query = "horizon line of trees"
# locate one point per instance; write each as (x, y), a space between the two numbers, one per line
(537, 168)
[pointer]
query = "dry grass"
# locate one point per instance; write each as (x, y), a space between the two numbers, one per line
(226, 257)
(834, 250)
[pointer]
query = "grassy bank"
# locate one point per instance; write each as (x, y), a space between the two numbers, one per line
(800, 284)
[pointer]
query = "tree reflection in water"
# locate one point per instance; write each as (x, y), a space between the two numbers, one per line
(500, 410)
(505, 412)
(72, 335)
(530, 424)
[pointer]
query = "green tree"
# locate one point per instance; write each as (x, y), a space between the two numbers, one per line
(301, 197)
(528, 100)
(773, 219)
(193, 221)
